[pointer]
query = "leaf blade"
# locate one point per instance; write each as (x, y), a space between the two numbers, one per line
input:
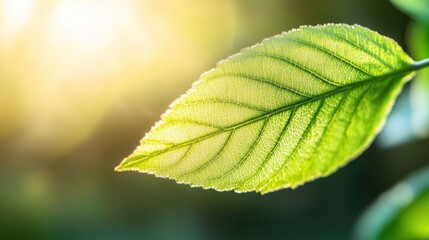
(263, 106)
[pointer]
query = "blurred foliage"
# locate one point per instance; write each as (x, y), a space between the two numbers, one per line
(403, 212)
(419, 47)
(400, 213)
(410, 118)
(70, 112)
(412, 223)
(417, 9)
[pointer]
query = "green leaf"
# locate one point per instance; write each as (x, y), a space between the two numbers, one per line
(288, 110)
(417, 9)
(419, 47)
(400, 213)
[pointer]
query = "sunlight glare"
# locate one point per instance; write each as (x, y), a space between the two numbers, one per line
(72, 62)
(86, 25)
(15, 14)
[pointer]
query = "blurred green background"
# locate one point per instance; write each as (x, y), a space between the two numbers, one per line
(82, 81)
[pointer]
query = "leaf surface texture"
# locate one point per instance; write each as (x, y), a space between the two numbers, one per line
(288, 110)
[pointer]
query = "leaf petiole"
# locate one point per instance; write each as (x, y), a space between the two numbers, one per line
(421, 64)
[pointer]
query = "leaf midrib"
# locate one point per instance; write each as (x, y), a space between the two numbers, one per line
(344, 88)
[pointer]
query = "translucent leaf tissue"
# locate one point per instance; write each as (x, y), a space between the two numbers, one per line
(293, 108)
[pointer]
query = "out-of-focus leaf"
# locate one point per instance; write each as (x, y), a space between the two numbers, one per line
(417, 9)
(291, 109)
(399, 128)
(400, 213)
(419, 46)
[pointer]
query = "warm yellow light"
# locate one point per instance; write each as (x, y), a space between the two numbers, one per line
(77, 69)
(15, 14)
(71, 62)
(86, 25)
(83, 40)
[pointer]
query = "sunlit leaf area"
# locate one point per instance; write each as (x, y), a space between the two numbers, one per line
(81, 81)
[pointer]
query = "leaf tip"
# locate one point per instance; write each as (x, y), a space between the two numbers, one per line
(120, 167)
(126, 164)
